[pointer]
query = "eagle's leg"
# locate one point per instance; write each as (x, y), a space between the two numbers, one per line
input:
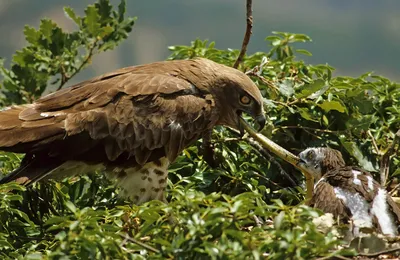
(145, 183)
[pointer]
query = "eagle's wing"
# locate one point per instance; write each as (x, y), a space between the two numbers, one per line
(324, 198)
(394, 208)
(355, 181)
(382, 207)
(125, 116)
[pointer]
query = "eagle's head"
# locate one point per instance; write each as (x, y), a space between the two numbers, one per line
(320, 160)
(234, 92)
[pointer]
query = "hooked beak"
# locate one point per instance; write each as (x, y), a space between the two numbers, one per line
(260, 119)
(301, 161)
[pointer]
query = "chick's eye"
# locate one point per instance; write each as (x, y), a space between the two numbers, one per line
(310, 155)
(245, 100)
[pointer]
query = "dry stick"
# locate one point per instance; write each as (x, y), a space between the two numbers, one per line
(208, 151)
(246, 39)
(373, 142)
(393, 191)
(385, 161)
(387, 251)
(267, 155)
(65, 78)
(264, 152)
(150, 248)
(283, 154)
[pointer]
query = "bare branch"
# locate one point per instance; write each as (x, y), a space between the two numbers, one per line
(65, 78)
(387, 251)
(308, 128)
(246, 39)
(374, 142)
(283, 154)
(385, 161)
(264, 152)
(150, 248)
(270, 158)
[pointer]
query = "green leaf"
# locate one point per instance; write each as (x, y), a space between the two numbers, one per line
(307, 114)
(286, 88)
(279, 220)
(305, 52)
(361, 123)
(31, 35)
(333, 105)
(71, 14)
(307, 89)
(121, 11)
(92, 20)
(353, 149)
(71, 206)
(46, 29)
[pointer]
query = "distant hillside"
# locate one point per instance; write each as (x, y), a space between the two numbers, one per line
(361, 35)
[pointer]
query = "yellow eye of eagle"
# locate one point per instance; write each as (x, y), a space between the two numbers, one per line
(245, 100)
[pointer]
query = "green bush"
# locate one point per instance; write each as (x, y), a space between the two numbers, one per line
(247, 208)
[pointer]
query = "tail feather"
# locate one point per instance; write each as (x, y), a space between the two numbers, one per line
(32, 169)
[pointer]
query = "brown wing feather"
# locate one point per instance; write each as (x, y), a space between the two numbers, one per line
(139, 126)
(344, 178)
(394, 208)
(122, 117)
(324, 198)
(24, 124)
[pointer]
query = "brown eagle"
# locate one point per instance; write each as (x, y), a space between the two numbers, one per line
(131, 123)
(350, 194)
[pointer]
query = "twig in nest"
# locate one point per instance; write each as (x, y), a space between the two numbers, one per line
(334, 257)
(270, 158)
(387, 251)
(150, 248)
(246, 39)
(373, 142)
(283, 154)
(393, 191)
(385, 161)
(256, 145)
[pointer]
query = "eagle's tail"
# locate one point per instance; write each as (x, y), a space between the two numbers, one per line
(33, 168)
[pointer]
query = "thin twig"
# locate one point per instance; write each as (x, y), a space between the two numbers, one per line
(259, 222)
(264, 80)
(387, 251)
(373, 142)
(65, 78)
(150, 248)
(270, 158)
(333, 257)
(385, 161)
(246, 39)
(308, 128)
(258, 147)
(283, 154)
(393, 191)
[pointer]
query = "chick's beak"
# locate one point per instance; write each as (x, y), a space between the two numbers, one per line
(301, 161)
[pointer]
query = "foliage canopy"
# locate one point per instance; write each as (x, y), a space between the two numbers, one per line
(211, 213)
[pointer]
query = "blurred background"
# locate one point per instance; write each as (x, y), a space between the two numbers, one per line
(353, 36)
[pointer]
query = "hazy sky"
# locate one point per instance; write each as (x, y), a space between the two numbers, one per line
(354, 36)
